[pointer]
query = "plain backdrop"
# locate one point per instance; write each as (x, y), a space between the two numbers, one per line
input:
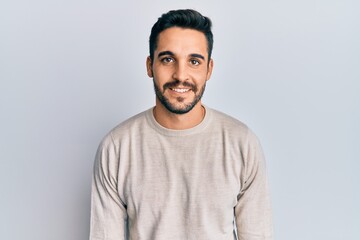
(71, 70)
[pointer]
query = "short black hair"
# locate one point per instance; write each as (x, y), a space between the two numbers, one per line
(184, 18)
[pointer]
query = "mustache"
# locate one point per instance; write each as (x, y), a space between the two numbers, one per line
(177, 83)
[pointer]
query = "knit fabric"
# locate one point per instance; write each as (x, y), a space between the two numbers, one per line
(154, 183)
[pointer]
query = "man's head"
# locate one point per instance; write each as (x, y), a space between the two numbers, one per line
(183, 18)
(179, 62)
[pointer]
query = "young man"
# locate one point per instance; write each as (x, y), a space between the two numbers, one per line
(180, 170)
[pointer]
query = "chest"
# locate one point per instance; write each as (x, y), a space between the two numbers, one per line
(185, 172)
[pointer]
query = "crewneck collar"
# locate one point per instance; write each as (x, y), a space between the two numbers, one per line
(176, 133)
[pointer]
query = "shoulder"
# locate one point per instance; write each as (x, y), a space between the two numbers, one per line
(232, 127)
(228, 122)
(125, 129)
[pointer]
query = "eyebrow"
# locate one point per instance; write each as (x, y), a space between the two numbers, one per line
(196, 55)
(165, 53)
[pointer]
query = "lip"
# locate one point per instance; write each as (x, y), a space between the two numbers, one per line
(180, 90)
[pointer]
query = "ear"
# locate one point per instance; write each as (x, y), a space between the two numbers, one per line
(149, 67)
(210, 68)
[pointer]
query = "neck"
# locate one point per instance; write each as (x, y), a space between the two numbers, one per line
(174, 121)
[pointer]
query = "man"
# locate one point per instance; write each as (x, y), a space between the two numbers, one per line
(180, 170)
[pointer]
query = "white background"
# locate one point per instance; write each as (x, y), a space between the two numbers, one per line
(71, 70)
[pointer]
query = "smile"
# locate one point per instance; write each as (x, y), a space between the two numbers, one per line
(180, 90)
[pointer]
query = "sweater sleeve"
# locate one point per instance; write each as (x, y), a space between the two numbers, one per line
(108, 211)
(253, 210)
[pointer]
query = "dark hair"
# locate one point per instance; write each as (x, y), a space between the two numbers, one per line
(184, 18)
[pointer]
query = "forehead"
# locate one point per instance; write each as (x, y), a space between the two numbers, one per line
(182, 41)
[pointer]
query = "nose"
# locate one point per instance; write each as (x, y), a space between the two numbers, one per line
(181, 72)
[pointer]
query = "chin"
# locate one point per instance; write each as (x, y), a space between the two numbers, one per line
(177, 108)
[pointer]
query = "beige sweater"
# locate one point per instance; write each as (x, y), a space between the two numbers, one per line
(153, 183)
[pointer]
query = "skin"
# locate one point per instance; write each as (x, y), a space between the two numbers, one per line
(180, 70)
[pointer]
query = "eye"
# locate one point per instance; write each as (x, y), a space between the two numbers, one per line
(194, 62)
(167, 60)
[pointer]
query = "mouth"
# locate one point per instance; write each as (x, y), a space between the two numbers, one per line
(180, 90)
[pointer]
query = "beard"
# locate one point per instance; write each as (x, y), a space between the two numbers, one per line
(186, 107)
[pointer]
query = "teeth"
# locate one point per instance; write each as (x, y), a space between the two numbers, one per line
(180, 90)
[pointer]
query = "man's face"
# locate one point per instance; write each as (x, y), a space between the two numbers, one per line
(180, 68)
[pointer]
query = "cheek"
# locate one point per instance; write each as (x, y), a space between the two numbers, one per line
(161, 73)
(200, 76)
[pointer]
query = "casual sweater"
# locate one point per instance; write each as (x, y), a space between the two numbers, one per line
(202, 183)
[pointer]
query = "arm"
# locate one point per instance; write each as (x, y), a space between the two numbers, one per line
(253, 210)
(108, 211)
